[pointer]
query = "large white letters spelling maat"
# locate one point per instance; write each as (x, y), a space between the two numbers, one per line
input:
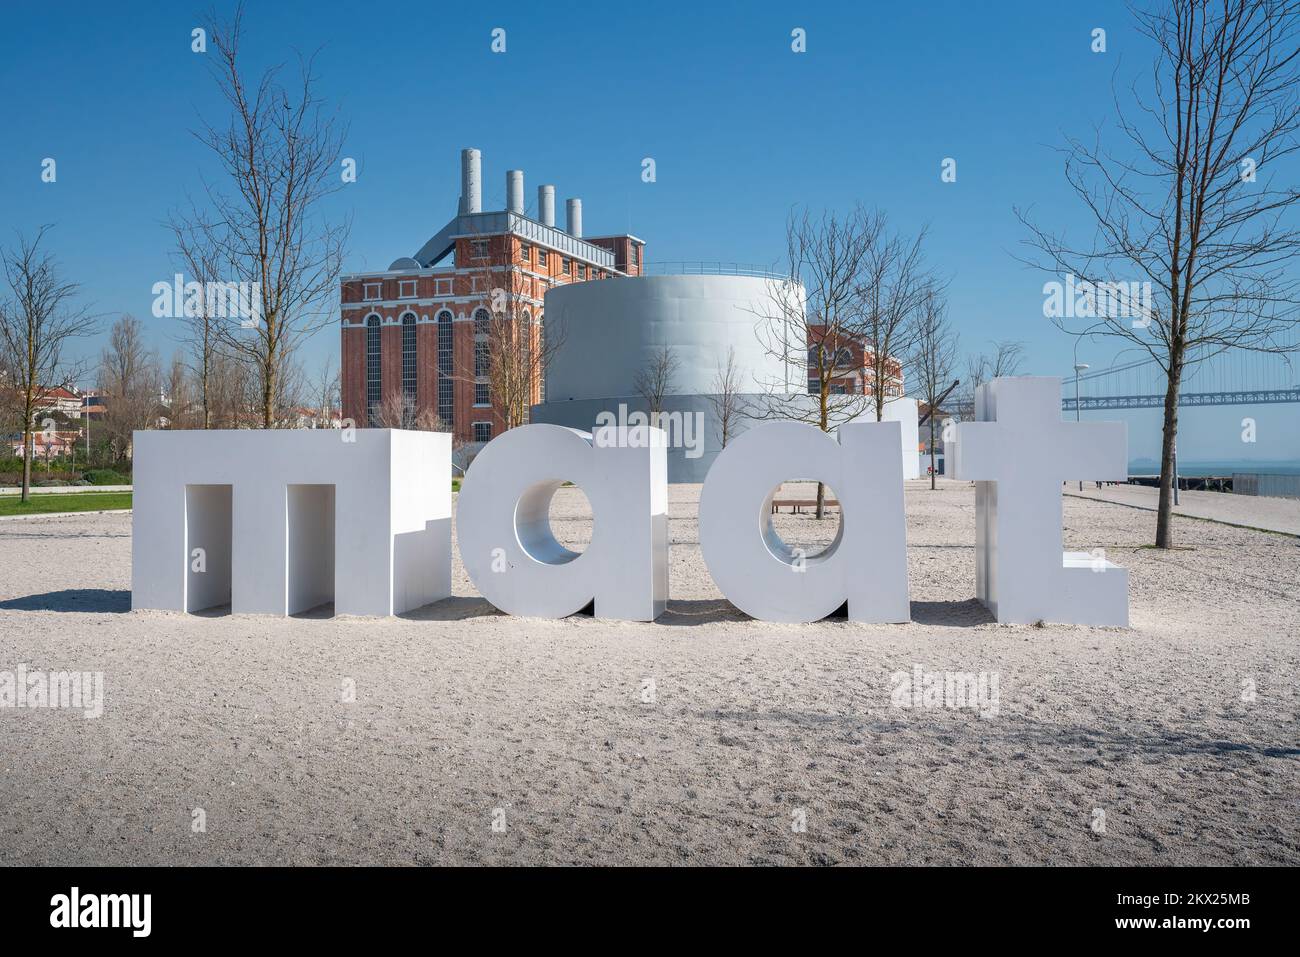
(505, 537)
(760, 574)
(277, 522)
(1019, 452)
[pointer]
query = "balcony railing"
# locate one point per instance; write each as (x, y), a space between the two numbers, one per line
(706, 267)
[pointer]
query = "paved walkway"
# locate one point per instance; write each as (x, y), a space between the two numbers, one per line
(1253, 511)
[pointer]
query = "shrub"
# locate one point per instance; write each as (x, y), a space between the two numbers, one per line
(106, 477)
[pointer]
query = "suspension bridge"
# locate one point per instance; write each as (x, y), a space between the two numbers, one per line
(1229, 378)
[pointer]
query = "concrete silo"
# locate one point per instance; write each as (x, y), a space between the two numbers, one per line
(613, 330)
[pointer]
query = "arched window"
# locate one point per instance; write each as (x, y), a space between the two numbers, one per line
(526, 346)
(374, 369)
(446, 392)
(482, 318)
(408, 355)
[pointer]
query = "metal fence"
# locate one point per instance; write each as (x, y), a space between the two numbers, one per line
(1265, 483)
(703, 267)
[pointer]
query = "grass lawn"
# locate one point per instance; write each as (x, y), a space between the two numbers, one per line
(71, 502)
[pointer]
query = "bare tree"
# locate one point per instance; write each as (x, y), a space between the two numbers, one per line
(280, 154)
(38, 321)
(841, 319)
(1187, 211)
(1005, 360)
(934, 360)
(516, 342)
(654, 380)
(809, 320)
(202, 327)
(179, 403)
(129, 377)
(895, 287)
(233, 394)
(327, 395)
(399, 410)
(727, 397)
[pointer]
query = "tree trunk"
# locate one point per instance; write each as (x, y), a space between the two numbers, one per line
(27, 462)
(821, 500)
(268, 392)
(1164, 511)
(932, 486)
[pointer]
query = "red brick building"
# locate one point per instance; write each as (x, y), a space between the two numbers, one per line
(422, 335)
(849, 363)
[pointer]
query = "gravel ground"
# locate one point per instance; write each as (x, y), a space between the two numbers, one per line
(1173, 742)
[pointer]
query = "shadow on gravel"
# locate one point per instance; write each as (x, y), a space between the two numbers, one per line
(955, 613)
(457, 608)
(73, 599)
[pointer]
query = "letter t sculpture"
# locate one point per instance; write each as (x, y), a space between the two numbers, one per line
(1019, 452)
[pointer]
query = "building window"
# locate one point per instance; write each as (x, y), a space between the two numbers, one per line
(443, 287)
(636, 254)
(814, 386)
(446, 401)
(482, 359)
(482, 319)
(582, 270)
(526, 252)
(406, 289)
(478, 249)
(372, 291)
(408, 354)
(482, 431)
(374, 369)
(446, 394)
(482, 393)
(566, 265)
(541, 257)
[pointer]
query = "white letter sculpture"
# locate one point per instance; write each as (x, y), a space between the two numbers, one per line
(866, 565)
(1019, 452)
(277, 522)
(504, 531)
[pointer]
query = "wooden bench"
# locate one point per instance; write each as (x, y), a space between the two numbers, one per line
(797, 504)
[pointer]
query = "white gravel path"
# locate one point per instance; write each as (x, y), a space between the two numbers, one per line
(1181, 731)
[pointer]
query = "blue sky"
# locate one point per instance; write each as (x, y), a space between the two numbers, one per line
(740, 128)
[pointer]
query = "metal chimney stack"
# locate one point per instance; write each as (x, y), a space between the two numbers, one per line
(546, 205)
(471, 181)
(573, 208)
(515, 191)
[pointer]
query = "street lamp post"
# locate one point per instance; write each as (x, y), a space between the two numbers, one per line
(1078, 367)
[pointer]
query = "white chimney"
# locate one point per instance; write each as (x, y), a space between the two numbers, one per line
(546, 205)
(515, 191)
(471, 181)
(573, 207)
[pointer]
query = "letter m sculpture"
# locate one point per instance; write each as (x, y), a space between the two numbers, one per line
(278, 522)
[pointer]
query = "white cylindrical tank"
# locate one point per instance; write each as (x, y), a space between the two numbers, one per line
(614, 328)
